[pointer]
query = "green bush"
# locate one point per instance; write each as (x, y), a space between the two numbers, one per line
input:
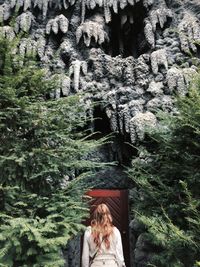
(43, 140)
(168, 179)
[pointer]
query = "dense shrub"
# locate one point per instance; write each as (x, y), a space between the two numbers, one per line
(43, 143)
(167, 175)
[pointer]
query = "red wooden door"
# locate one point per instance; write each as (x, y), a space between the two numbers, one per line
(117, 201)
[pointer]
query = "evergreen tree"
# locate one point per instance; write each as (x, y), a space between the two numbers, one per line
(167, 175)
(42, 144)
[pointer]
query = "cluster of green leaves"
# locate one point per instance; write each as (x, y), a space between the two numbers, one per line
(42, 142)
(34, 228)
(168, 181)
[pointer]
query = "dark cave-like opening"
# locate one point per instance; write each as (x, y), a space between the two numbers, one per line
(198, 50)
(101, 121)
(127, 32)
(66, 59)
(120, 145)
(56, 39)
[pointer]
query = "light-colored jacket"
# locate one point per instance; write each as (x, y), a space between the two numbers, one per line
(89, 247)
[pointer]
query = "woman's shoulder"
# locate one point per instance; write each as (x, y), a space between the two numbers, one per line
(88, 230)
(116, 231)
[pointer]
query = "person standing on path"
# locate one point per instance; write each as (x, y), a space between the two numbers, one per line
(102, 244)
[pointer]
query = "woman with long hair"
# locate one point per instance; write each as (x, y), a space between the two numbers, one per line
(102, 245)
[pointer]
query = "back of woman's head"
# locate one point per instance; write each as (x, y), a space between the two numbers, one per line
(102, 225)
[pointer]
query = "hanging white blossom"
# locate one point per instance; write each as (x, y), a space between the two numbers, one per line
(60, 22)
(178, 79)
(159, 58)
(75, 69)
(189, 32)
(5, 12)
(109, 5)
(24, 22)
(94, 28)
(7, 32)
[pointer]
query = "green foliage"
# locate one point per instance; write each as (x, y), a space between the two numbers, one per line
(168, 181)
(34, 228)
(42, 142)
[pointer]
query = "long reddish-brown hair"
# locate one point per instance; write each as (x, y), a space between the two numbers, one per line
(102, 223)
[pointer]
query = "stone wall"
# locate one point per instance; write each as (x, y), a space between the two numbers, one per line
(133, 56)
